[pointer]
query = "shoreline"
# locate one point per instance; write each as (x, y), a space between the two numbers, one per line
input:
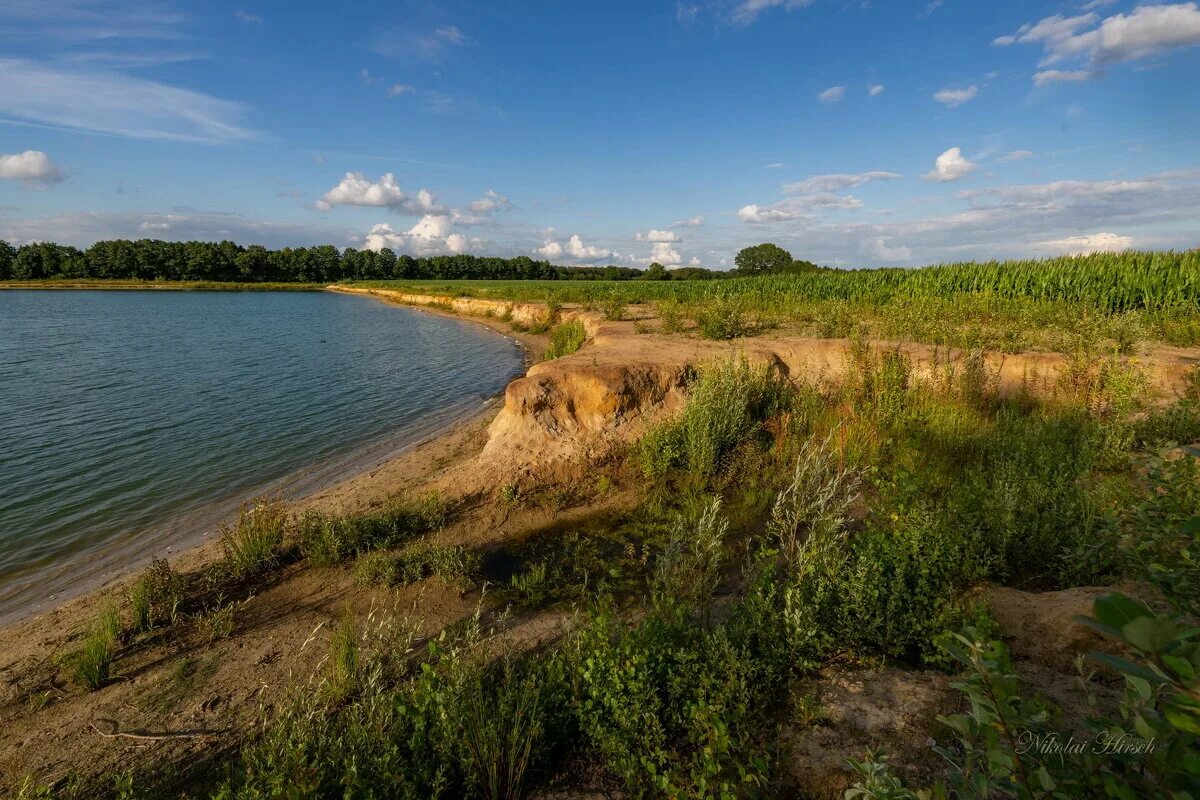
(117, 284)
(354, 483)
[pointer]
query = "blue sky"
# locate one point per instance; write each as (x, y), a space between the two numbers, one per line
(852, 133)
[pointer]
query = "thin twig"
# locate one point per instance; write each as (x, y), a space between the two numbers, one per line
(150, 737)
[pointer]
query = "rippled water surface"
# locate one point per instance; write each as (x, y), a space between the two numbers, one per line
(131, 420)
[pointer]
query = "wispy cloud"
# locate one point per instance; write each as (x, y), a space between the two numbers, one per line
(833, 94)
(747, 11)
(431, 46)
(247, 17)
(88, 21)
(116, 104)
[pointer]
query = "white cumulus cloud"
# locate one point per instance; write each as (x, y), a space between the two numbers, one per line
(33, 167)
(574, 248)
(1094, 43)
(432, 235)
(950, 166)
(355, 189)
(876, 89)
(664, 254)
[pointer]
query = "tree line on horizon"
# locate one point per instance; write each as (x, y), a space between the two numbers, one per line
(151, 259)
(157, 260)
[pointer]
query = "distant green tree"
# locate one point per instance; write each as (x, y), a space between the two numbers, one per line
(762, 259)
(800, 266)
(7, 254)
(656, 272)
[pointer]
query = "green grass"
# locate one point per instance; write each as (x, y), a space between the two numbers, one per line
(455, 566)
(253, 542)
(328, 539)
(91, 664)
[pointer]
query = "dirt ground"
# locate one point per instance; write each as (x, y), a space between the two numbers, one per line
(182, 699)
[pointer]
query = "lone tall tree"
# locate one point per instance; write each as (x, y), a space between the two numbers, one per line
(762, 259)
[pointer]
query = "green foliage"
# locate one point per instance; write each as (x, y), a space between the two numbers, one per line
(723, 318)
(254, 542)
(216, 622)
(671, 708)
(327, 539)
(565, 339)
(342, 668)
(91, 663)
(726, 406)
(690, 568)
(457, 726)
(763, 259)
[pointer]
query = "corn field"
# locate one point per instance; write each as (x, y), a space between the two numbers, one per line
(1112, 282)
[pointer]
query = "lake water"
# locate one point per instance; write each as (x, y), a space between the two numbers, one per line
(132, 420)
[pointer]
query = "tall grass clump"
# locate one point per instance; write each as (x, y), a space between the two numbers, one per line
(727, 404)
(455, 566)
(329, 539)
(155, 596)
(565, 339)
(91, 664)
(254, 542)
(503, 726)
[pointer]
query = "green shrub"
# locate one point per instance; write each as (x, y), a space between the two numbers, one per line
(672, 709)
(671, 313)
(342, 669)
(531, 587)
(565, 339)
(723, 319)
(216, 623)
(612, 306)
(726, 406)
(253, 543)
(1148, 749)
(689, 569)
